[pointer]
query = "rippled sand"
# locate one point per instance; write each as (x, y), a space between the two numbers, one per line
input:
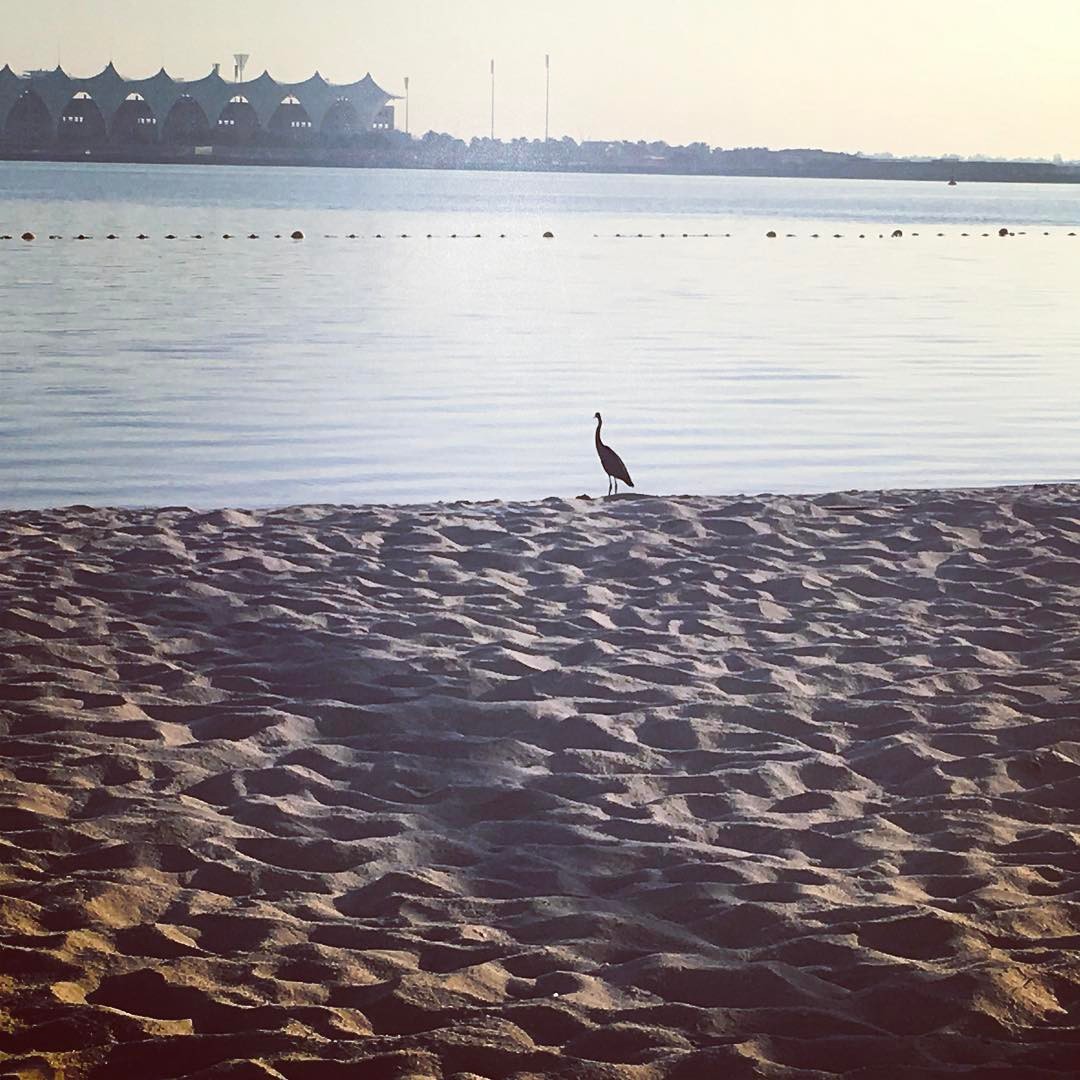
(635, 788)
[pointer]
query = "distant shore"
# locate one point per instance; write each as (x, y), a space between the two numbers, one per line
(806, 164)
(624, 789)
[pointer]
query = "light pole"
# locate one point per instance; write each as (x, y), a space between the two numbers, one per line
(547, 93)
(492, 100)
(406, 104)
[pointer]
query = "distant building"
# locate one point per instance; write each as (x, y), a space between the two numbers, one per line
(44, 109)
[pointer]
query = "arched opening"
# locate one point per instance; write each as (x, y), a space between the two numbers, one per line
(342, 121)
(28, 123)
(238, 123)
(186, 123)
(134, 122)
(81, 121)
(291, 122)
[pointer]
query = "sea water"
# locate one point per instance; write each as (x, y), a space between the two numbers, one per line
(450, 351)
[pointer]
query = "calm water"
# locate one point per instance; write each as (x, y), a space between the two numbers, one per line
(258, 372)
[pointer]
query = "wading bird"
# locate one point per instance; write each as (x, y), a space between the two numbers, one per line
(613, 464)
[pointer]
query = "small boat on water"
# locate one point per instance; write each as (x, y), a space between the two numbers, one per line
(952, 181)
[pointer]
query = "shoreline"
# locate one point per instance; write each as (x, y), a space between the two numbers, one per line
(585, 499)
(937, 172)
(621, 789)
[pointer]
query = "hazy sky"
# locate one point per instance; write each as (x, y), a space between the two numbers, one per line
(908, 76)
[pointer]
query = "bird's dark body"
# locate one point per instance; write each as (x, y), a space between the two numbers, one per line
(612, 463)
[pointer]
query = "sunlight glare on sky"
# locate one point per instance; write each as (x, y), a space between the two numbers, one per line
(994, 77)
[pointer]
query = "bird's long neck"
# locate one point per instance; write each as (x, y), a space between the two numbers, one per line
(599, 422)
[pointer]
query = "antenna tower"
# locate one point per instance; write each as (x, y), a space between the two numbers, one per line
(241, 59)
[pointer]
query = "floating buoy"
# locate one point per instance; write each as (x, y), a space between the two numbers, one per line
(477, 236)
(862, 236)
(82, 237)
(770, 235)
(404, 236)
(378, 236)
(1003, 231)
(197, 236)
(838, 236)
(226, 236)
(914, 234)
(111, 236)
(549, 235)
(351, 236)
(897, 233)
(253, 236)
(502, 236)
(170, 237)
(813, 236)
(297, 235)
(963, 234)
(790, 235)
(55, 236)
(28, 236)
(429, 236)
(5, 237)
(941, 234)
(142, 236)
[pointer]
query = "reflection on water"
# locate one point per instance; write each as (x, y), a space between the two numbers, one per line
(265, 372)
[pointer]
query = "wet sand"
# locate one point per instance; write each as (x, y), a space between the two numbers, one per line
(632, 789)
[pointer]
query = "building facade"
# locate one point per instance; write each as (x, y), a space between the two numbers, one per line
(43, 109)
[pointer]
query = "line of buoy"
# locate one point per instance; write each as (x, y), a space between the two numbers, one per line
(896, 234)
(298, 234)
(662, 236)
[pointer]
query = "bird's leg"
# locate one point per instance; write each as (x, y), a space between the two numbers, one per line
(615, 481)
(609, 485)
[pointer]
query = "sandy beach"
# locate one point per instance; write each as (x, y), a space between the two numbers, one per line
(624, 789)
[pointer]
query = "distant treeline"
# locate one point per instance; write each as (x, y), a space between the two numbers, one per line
(394, 149)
